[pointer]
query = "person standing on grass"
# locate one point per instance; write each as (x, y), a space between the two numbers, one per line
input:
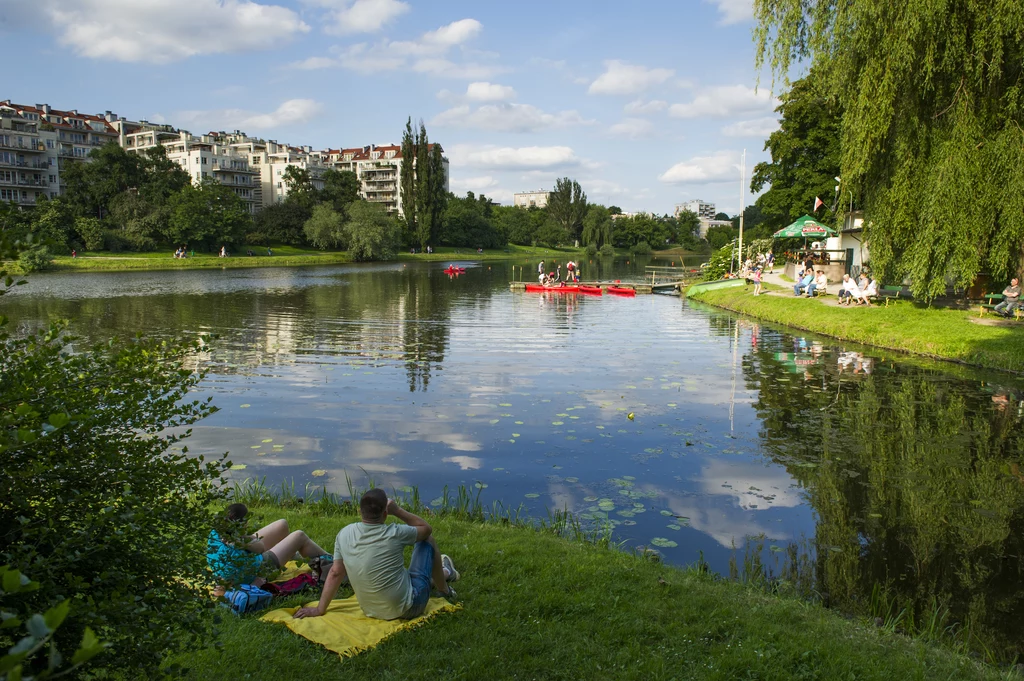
(1011, 296)
(369, 554)
(757, 281)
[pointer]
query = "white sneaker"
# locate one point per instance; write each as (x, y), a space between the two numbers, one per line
(446, 563)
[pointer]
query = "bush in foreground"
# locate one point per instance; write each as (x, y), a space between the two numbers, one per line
(96, 503)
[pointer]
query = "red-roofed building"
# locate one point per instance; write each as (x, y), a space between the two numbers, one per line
(379, 169)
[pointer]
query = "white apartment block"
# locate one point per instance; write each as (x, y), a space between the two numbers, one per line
(379, 170)
(36, 143)
(538, 199)
(705, 211)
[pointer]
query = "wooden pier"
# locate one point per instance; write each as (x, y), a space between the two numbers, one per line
(639, 288)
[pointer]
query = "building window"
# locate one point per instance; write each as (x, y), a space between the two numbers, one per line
(49, 144)
(53, 178)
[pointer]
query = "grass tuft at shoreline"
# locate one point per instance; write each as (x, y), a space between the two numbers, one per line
(939, 333)
(538, 605)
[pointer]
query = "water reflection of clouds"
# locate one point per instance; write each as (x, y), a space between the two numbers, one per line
(754, 486)
(727, 525)
(466, 463)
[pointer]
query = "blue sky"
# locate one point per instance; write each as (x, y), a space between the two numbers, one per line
(647, 104)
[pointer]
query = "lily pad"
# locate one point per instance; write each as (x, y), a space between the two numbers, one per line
(558, 423)
(667, 513)
(319, 473)
(244, 406)
(673, 526)
(589, 498)
(531, 495)
(269, 439)
(664, 543)
(481, 485)
(505, 404)
(572, 480)
(238, 467)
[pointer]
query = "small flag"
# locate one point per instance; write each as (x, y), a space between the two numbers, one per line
(818, 203)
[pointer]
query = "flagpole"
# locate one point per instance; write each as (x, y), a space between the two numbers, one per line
(743, 196)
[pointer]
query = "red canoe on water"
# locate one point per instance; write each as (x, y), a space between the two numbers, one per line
(537, 288)
(455, 270)
(621, 291)
(595, 290)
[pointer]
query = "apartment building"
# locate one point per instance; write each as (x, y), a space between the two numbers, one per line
(36, 143)
(704, 211)
(538, 199)
(379, 170)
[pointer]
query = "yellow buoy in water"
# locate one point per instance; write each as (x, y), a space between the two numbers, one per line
(630, 416)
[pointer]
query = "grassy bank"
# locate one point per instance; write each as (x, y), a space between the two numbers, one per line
(538, 606)
(910, 327)
(284, 256)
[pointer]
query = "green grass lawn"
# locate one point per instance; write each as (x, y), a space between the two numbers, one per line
(536, 606)
(904, 325)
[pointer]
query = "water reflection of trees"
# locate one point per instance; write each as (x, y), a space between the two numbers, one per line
(916, 481)
(397, 316)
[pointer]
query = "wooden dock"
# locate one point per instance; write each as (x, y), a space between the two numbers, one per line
(639, 288)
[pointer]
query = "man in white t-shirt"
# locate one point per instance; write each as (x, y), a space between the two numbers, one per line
(369, 554)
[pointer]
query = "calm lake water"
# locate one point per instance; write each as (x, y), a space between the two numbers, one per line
(839, 467)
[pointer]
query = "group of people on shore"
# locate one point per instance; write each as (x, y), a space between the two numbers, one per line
(858, 292)
(181, 253)
(572, 274)
(367, 555)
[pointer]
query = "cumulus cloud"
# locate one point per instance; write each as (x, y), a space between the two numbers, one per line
(734, 11)
(507, 117)
(722, 166)
(461, 185)
(162, 31)
(362, 16)
(427, 54)
(621, 78)
(758, 127)
(726, 101)
(639, 107)
(632, 128)
(489, 92)
(291, 112)
(516, 158)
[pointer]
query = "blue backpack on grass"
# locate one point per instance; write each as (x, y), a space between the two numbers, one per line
(247, 598)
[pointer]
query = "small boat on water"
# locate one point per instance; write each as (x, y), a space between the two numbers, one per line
(537, 288)
(620, 291)
(455, 270)
(593, 290)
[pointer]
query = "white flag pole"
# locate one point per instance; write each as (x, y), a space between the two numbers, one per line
(743, 197)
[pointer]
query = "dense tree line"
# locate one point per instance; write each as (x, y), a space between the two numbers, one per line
(930, 109)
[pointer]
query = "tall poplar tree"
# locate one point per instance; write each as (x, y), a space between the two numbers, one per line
(568, 206)
(932, 95)
(438, 190)
(407, 181)
(424, 216)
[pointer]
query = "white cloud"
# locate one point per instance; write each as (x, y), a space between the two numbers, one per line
(632, 128)
(364, 16)
(726, 101)
(734, 11)
(758, 127)
(517, 158)
(291, 112)
(507, 117)
(161, 31)
(722, 166)
(639, 107)
(489, 92)
(427, 54)
(472, 184)
(621, 78)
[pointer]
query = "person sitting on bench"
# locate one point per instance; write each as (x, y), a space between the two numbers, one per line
(805, 284)
(1011, 296)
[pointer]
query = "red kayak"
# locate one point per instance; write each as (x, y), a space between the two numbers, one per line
(596, 290)
(619, 291)
(537, 288)
(455, 270)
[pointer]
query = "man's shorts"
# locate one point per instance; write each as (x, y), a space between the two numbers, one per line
(421, 568)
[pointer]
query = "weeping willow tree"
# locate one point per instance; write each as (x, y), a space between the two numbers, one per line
(933, 101)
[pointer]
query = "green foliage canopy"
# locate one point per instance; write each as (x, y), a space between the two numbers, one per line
(932, 96)
(372, 233)
(568, 206)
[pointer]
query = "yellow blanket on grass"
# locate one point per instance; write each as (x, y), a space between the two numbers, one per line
(345, 630)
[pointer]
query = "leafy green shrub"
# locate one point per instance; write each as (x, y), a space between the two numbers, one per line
(718, 265)
(22, 660)
(642, 248)
(372, 233)
(591, 250)
(35, 259)
(91, 232)
(96, 499)
(607, 251)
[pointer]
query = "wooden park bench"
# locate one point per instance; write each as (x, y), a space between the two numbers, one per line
(993, 300)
